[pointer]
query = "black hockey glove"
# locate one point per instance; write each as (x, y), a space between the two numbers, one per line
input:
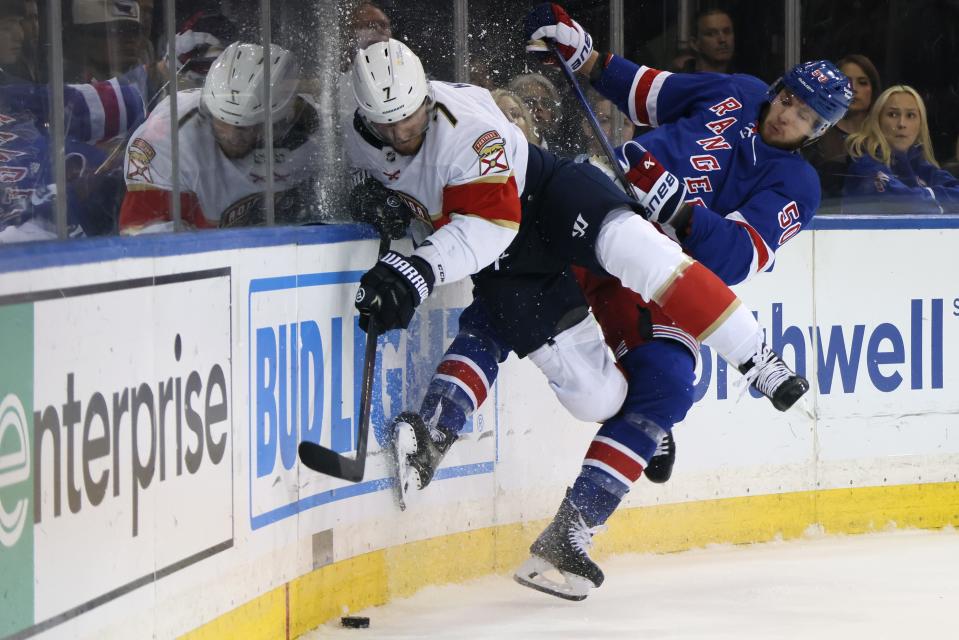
(392, 289)
(374, 204)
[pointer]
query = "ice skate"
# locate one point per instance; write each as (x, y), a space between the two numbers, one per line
(769, 375)
(562, 549)
(660, 466)
(417, 451)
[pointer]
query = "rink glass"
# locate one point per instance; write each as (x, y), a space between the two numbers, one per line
(477, 41)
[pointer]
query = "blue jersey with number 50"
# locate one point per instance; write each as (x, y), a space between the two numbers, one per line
(749, 198)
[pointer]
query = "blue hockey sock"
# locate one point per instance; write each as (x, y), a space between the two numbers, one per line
(461, 382)
(595, 501)
(615, 459)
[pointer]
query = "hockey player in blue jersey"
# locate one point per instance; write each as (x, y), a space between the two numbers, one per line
(721, 175)
(93, 113)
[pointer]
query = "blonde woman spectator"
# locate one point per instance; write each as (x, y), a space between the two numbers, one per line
(516, 112)
(892, 155)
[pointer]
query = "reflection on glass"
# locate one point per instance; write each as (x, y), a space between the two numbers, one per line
(222, 163)
(115, 74)
(97, 116)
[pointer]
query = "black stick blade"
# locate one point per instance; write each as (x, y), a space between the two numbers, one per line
(326, 461)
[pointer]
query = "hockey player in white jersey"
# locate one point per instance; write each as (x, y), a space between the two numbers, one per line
(513, 217)
(222, 162)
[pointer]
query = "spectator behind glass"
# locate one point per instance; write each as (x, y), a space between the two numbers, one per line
(605, 111)
(92, 113)
(516, 112)
(102, 39)
(829, 154)
(12, 14)
(365, 24)
(713, 43)
(26, 64)
(542, 99)
(892, 157)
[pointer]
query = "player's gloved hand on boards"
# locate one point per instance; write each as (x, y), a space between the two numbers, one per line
(392, 289)
(550, 21)
(374, 204)
(660, 192)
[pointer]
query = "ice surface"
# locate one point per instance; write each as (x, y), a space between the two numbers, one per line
(885, 585)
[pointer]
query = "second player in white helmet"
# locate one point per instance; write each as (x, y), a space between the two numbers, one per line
(222, 168)
(234, 95)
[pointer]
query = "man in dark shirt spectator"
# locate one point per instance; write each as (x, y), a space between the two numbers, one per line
(713, 42)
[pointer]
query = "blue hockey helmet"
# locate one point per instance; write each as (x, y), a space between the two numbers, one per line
(822, 86)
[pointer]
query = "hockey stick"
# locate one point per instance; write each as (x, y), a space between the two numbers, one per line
(327, 461)
(591, 118)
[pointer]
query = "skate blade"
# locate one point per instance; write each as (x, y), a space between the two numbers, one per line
(803, 407)
(404, 442)
(533, 575)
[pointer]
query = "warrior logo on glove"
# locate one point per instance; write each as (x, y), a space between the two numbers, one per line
(404, 268)
(390, 292)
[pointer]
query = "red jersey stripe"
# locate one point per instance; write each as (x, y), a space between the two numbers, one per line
(148, 206)
(497, 201)
(111, 109)
(762, 253)
(467, 375)
(616, 459)
(642, 92)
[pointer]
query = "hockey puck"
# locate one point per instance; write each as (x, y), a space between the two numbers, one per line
(355, 622)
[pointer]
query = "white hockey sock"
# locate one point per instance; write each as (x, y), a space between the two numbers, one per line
(631, 249)
(738, 337)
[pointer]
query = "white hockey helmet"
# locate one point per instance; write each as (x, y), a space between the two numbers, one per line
(233, 89)
(388, 82)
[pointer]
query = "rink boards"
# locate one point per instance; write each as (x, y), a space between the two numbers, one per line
(153, 391)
